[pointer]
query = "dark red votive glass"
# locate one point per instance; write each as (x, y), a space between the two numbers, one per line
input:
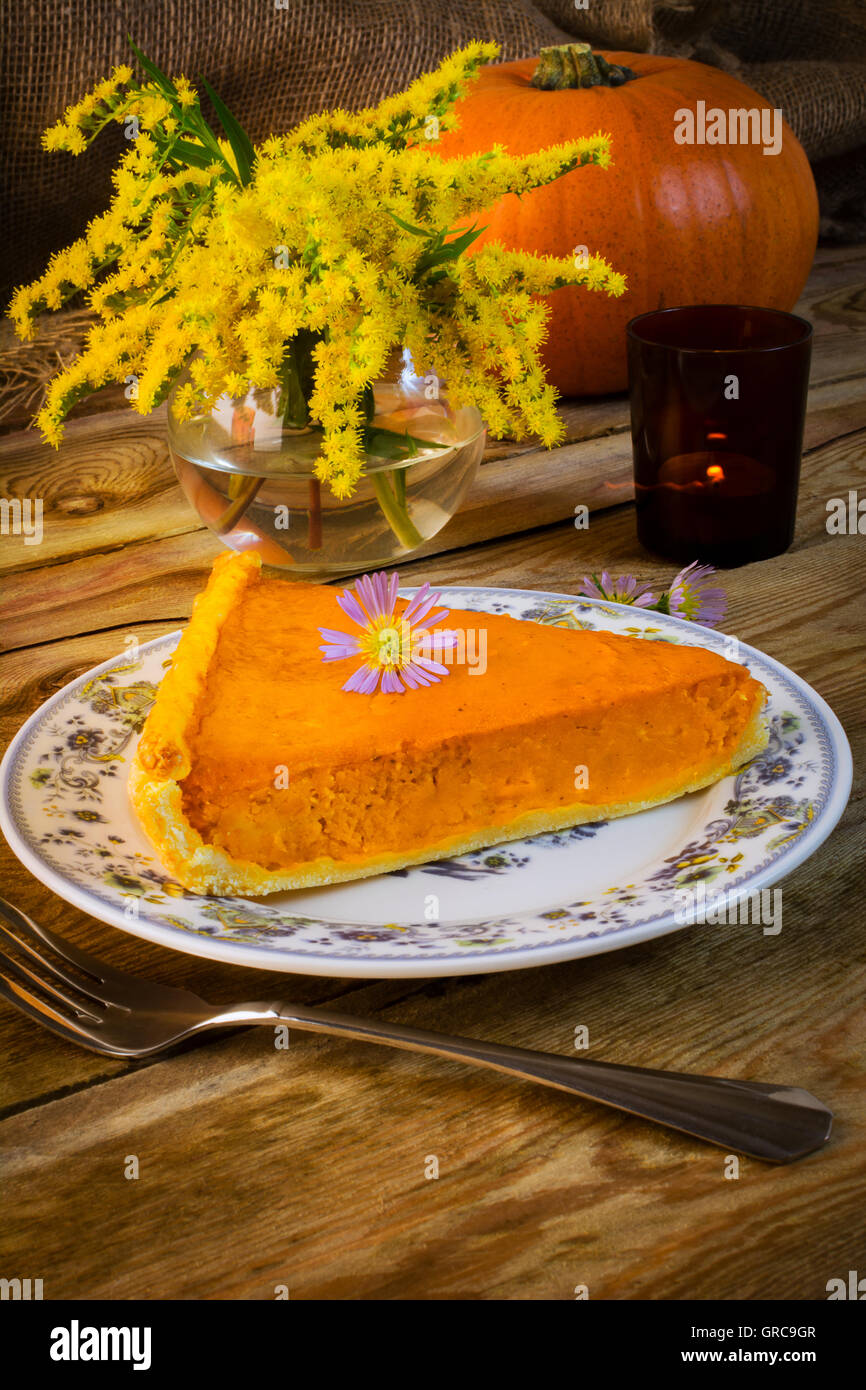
(718, 399)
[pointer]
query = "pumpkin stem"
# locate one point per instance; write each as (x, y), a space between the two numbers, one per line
(575, 65)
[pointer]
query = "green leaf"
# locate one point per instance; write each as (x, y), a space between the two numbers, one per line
(164, 83)
(407, 226)
(389, 444)
(445, 251)
(242, 145)
(192, 118)
(196, 121)
(439, 251)
(191, 154)
(207, 136)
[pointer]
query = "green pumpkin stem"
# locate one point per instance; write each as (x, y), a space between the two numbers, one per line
(575, 65)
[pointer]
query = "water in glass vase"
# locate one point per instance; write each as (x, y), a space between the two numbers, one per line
(251, 479)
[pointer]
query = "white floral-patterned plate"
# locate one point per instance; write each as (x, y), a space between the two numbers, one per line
(64, 811)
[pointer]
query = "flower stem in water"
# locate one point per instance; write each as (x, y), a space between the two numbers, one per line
(394, 507)
(232, 515)
(314, 530)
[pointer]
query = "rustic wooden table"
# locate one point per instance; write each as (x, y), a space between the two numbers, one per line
(306, 1167)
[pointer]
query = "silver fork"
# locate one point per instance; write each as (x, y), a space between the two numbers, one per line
(87, 1002)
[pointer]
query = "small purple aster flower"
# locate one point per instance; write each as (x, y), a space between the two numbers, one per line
(625, 589)
(391, 648)
(689, 596)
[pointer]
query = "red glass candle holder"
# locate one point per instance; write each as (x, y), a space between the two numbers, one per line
(718, 400)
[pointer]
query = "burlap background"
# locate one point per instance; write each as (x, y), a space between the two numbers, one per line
(274, 65)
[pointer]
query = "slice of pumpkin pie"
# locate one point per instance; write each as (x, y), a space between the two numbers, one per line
(262, 767)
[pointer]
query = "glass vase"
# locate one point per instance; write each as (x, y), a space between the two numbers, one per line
(251, 478)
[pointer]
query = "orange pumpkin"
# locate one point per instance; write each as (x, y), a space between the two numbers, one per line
(686, 223)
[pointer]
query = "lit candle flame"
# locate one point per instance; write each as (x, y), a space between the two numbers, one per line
(716, 473)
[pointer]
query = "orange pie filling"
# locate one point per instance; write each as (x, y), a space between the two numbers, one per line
(257, 771)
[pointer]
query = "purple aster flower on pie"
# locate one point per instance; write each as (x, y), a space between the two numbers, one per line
(397, 651)
(625, 589)
(690, 597)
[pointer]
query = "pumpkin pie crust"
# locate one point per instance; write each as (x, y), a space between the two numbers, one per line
(257, 772)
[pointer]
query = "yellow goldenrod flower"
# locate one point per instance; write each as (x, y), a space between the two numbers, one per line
(185, 92)
(349, 235)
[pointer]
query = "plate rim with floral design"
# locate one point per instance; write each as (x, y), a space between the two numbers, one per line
(79, 860)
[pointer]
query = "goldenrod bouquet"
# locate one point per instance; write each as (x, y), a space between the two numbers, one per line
(304, 262)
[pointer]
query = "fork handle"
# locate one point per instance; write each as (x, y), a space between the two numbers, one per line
(777, 1123)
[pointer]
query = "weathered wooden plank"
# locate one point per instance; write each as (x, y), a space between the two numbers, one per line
(274, 1173)
(110, 483)
(120, 588)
